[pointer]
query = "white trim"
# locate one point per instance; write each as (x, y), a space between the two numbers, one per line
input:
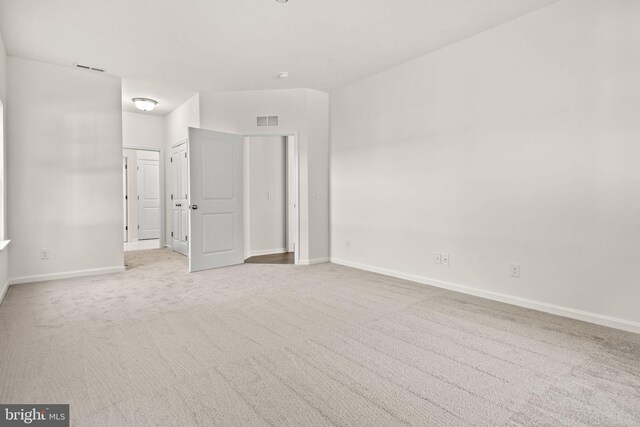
(314, 261)
(266, 252)
(598, 319)
(65, 275)
(163, 200)
(4, 244)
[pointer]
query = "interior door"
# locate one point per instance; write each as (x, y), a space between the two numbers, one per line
(148, 199)
(179, 203)
(216, 227)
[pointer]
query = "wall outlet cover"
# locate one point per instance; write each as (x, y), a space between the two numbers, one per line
(437, 258)
(515, 270)
(445, 259)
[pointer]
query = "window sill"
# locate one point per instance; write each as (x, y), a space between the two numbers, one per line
(4, 244)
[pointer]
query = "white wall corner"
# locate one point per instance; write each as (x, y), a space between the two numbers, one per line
(595, 318)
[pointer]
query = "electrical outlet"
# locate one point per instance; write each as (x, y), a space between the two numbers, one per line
(437, 258)
(515, 270)
(269, 196)
(445, 259)
(44, 253)
(348, 244)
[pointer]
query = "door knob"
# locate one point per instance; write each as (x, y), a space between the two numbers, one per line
(178, 205)
(194, 207)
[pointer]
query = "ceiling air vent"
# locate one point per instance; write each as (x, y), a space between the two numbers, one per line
(267, 120)
(87, 67)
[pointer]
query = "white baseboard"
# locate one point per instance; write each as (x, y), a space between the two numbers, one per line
(3, 291)
(598, 319)
(266, 252)
(65, 275)
(313, 261)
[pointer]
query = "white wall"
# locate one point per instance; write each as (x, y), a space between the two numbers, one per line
(518, 145)
(302, 110)
(176, 130)
(318, 164)
(143, 131)
(64, 170)
(267, 196)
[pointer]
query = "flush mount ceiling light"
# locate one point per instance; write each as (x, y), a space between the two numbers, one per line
(282, 1)
(144, 104)
(283, 75)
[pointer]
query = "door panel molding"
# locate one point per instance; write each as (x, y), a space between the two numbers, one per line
(216, 227)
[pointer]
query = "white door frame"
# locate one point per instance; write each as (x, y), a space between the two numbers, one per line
(160, 152)
(125, 161)
(296, 177)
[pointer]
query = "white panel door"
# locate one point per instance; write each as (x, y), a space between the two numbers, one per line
(179, 203)
(148, 199)
(216, 236)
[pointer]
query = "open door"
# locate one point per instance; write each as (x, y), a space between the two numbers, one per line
(216, 226)
(179, 199)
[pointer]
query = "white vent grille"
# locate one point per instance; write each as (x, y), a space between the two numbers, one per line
(267, 120)
(87, 67)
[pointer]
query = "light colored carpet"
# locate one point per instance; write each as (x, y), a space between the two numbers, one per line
(290, 345)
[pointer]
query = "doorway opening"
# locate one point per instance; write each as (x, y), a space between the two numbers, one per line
(213, 187)
(142, 212)
(270, 199)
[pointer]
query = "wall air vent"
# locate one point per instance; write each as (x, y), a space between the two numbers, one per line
(267, 120)
(87, 67)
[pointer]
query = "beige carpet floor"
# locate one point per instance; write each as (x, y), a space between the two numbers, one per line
(287, 345)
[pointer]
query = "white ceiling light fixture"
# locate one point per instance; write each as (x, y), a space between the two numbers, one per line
(283, 74)
(282, 1)
(145, 104)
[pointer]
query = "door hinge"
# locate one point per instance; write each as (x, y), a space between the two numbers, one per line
(138, 197)
(185, 155)
(126, 167)
(172, 234)
(171, 159)
(138, 227)
(126, 228)
(126, 197)
(185, 196)
(138, 167)
(186, 238)
(172, 197)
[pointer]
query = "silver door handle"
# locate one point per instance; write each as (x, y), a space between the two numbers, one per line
(178, 205)
(194, 207)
